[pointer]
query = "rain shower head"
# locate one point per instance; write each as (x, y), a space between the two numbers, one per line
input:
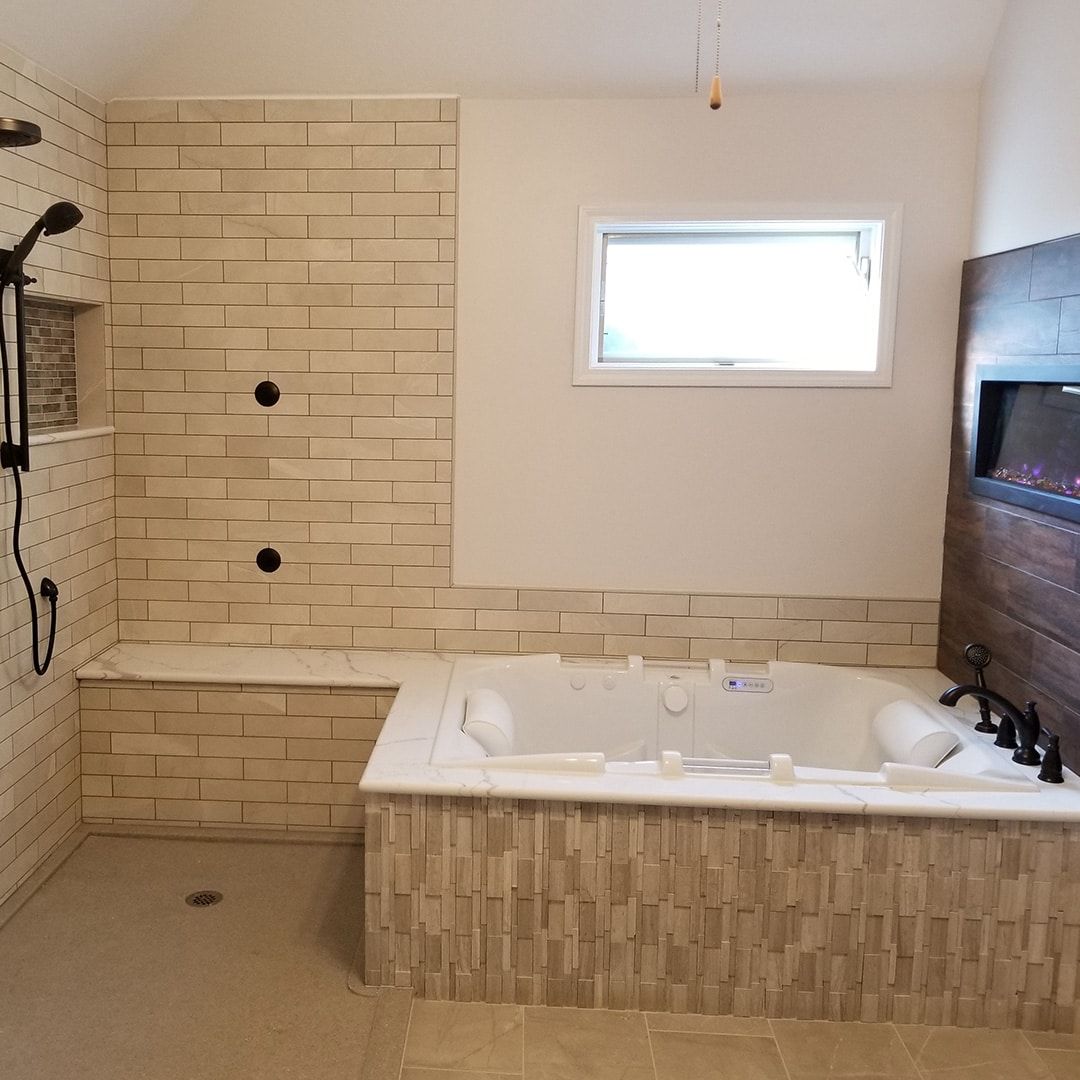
(58, 218)
(15, 133)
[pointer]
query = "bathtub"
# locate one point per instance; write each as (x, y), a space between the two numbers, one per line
(716, 838)
(716, 733)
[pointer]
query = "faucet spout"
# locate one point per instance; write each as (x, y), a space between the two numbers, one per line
(1026, 722)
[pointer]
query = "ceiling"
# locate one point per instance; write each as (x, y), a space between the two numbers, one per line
(495, 48)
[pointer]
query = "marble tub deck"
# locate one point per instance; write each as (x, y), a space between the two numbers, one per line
(401, 760)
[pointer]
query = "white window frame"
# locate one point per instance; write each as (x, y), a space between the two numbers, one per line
(594, 223)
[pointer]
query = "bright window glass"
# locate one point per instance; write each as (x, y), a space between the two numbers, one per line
(738, 301)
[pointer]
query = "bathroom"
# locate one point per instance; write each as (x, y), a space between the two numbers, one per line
(319, 435)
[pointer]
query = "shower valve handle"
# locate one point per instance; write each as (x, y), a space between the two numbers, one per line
(11, 456)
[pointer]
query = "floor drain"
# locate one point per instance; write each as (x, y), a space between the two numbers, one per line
(203, 898)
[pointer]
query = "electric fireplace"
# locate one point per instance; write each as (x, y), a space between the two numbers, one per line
(1026, 429)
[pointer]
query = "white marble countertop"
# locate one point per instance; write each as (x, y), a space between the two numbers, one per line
(401, 760)
(262, 665)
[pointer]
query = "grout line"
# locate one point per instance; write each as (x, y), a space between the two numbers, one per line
(405, 1043)
(907, 1050)
(780, 1053)
(652, 1051)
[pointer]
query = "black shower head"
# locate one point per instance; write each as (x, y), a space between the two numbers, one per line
(60, 217)
(15, 133)
(978, 656)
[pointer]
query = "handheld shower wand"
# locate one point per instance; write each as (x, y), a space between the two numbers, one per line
(60, 217)
(979, 657)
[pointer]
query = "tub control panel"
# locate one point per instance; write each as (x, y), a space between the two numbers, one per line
(747, 684)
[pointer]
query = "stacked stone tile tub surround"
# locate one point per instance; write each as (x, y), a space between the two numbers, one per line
(828, 913)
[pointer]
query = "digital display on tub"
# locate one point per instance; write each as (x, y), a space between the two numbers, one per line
(747, 684)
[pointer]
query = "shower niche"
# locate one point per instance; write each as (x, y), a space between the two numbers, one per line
(65, 353)
(1026, 432)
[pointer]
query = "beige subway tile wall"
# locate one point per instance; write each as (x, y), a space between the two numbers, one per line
(265, 757)
(69, 531)
(311, 243)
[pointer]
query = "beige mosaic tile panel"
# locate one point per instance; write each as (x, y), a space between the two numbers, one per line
(813, 917)
(311, 242)
(69, 531)
(194, 754)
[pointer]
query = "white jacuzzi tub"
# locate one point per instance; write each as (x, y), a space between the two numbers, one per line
(777, 736)
(780, 722)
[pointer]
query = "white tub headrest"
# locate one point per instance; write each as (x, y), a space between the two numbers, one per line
(910, 735)
(489, 721)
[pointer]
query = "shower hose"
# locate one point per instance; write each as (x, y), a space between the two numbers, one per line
(48, 587)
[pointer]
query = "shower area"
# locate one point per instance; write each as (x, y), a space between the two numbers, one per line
(58, 593)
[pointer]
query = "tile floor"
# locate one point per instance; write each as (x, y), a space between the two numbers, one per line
(448, 1041)
(105, 974)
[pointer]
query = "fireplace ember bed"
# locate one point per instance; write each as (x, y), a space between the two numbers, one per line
(1027, 436)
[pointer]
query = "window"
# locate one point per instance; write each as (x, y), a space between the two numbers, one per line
(742, 300)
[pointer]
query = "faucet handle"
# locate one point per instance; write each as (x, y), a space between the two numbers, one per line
(1051, 772)
(1006, 734)
(1027, 754)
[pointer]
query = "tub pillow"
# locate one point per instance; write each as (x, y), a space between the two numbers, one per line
(910, 735)
(489, 721)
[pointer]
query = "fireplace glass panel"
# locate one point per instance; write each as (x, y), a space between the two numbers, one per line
(1040, 438)
(1027, 447)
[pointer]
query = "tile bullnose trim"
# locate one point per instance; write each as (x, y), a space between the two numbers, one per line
(74, 435)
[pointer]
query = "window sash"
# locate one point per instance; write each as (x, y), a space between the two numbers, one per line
(861, 239)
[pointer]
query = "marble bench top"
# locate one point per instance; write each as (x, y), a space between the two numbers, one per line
(261, 665)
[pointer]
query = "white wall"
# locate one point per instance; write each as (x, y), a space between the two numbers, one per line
(1028, 180)
(828, 492)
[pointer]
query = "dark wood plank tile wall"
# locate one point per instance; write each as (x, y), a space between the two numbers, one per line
(1012, 576)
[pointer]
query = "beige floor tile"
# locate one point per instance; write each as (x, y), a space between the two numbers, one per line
(409, 1073)
(586, 1044)
(1063, 1064)
(389, 1024)
(464, 1036)
(106, 974)
(694, 1056)
(914, 1037)
(972, 1054)
(716, 1025)
(816, 1050)
(1053, 1040)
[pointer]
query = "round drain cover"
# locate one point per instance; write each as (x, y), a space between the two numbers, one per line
(203, 898)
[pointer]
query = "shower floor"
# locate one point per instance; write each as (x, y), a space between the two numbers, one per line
(107, 973)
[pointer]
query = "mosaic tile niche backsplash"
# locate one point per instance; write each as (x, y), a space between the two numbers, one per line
(52, 390)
